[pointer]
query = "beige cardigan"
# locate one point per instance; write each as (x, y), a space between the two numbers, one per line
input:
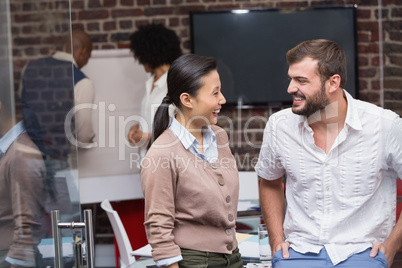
(189, 203)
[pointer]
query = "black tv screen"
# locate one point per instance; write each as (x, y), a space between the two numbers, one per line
(250, 47)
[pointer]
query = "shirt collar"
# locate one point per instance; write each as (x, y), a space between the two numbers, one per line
(11, 136)
(160, 83)
(187, 139)
(60, 55)
(352, 116)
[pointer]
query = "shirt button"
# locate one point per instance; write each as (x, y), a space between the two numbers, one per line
(229, 246)
(230, 217)
(221, 181)
(228, 231)
(228, 199)
(327, 188)
(214, 165)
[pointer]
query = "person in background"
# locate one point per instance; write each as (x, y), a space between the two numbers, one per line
(341, 157)
(52, 88)
(155, 47)
(189, 176)
(22, 195)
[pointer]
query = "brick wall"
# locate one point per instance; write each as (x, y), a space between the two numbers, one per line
(39, 25)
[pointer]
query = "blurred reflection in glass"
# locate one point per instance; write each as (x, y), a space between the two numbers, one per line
(22, 196)
(49, 85)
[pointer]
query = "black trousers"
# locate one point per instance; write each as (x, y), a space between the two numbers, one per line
(200, 259)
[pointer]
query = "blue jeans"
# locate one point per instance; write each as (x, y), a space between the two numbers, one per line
(321, 260)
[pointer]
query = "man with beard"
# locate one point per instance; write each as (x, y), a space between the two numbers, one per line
(341, 158)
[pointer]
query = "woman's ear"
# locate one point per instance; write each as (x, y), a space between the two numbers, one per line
(186, 100)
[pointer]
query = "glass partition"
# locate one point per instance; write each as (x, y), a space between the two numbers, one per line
(37, 173)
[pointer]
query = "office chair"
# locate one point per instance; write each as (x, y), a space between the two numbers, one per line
(123, 242)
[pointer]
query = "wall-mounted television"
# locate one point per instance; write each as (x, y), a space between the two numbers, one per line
(250, 47)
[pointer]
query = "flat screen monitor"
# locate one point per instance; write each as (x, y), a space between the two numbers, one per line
(250, 47)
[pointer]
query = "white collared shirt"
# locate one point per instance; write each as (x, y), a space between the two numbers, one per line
(189, 142)
(11, 136)
(344, 200)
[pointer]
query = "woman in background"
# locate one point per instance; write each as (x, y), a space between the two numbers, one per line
(155, 47)
(189, 176)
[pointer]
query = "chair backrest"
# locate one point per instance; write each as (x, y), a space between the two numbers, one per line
(120, 233)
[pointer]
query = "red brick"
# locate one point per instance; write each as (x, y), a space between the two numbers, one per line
(392, 48)
(362, 85)
(30, 51)
(370, 96)
(93, 26)
(392, 71)
(367, 26)
(94, 4)
(78, 4)
(159, 21)
(185, 21)
(363, 60)
(375, 85)
(93, 14)
(24, 41)
(109, 26)
(292, 4)
(393, 84)
(396, 12)
(78, 26)
(396, 60)
(368, 48)
(395, 35)
(367, 72)
(158, 2)
(173, 22)
(184, 10)
(363, 37)
(29, 6)
(363, 14)
(27, 18)
(140, 23)
(127, 2)
(143, 2)
(121, 13)
(126, 24)
(153, 11)
(109, 3)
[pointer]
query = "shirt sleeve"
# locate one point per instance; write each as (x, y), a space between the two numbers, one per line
(158, 180)
(269, 166)
(84, 94)
(394, 145)
(169, 261)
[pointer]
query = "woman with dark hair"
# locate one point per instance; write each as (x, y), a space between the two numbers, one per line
(155, 47)
(189, 176)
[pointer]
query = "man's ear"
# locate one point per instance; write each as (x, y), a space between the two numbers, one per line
(334, 82)
(186, 100)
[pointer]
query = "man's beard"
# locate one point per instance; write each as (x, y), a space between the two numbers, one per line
(317, 102)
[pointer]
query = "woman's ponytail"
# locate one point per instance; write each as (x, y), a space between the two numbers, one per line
(161, 119)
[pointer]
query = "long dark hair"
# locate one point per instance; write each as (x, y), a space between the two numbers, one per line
(184, 76)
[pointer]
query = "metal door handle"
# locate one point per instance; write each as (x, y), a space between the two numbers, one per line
(89, 237)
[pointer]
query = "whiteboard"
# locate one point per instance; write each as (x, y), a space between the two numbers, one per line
(119, 83)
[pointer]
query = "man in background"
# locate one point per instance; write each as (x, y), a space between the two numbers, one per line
(341, 157)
